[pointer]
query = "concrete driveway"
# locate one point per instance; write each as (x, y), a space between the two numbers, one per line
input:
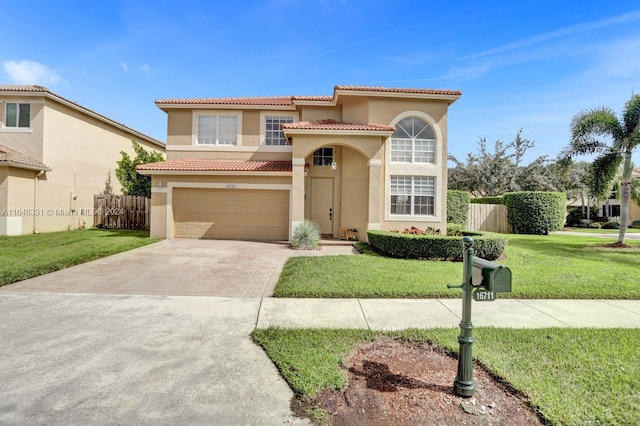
(178, 267)
(141, 352)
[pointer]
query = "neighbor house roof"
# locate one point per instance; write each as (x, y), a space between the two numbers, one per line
(204, 165)
(289, 102)
(13, 158)
(8, 89)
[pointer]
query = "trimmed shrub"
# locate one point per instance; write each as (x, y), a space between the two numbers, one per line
(406, 246)
(613, 223)
(595, 225)
(455, 230)
(536, 212)
(306, 236)
(458, 207)
(488, 200)
(635, 224)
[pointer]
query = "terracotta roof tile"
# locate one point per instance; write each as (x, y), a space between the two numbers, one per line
(266, 101)
(330, 124)
(204, 165)
(290, 100)
(22, 88)
(15, 158)
(398, 90)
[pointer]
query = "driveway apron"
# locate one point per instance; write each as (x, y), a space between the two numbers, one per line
(108, 359)
(114, 341)
(178, 267)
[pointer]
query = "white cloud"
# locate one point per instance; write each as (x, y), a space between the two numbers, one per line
(124, 66)
(145, 68)
(562, 32)
(31, 72)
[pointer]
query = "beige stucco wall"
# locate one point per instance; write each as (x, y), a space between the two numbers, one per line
(82, 153)
(310, 113)
(27, 141)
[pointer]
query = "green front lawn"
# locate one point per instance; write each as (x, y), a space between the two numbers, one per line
(553, 266)
(572, 376)
(601, 231)
(27, 256)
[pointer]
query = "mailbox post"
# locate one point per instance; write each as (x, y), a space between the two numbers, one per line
(464, 384)
(487, 278)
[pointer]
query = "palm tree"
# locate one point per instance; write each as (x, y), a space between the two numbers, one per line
(587, 127)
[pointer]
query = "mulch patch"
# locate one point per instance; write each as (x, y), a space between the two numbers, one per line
(393, 382)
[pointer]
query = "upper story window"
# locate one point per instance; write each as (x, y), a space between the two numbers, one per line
(273, 133)
(217, 130)
(323, 156)
(414, 141)
(17, 115)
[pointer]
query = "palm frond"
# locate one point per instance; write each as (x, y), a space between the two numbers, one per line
(631, 117)
(587, 125)
(602, 173)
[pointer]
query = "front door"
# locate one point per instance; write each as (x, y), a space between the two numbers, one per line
(322, 204)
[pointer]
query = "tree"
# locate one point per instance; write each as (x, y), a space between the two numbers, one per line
(622, 138)
(132, 182)
(495, 173)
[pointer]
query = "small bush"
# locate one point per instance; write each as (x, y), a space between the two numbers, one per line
(488, 200)
(306, 236)
(612, 223)
(454, 230)
(535, 212)
(406, 246)
(635, 224)
(457, 207)
(595, 225)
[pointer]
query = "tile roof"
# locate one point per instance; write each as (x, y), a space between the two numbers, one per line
(204, 165)
(72, 104)
(331, 124)
(266, 101)
(11, 157)
(398, 90)
(291, 100)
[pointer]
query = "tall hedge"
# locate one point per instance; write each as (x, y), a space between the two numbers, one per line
(536, 212)
(458, 207)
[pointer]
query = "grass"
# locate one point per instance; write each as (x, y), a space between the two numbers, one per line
(553, 266)
(27, 256)
(572, 376)
(601, 231)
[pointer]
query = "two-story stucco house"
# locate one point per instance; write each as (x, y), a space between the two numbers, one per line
(253, 168)
(55, 155)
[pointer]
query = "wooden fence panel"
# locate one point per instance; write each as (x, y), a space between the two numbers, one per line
(488, 217)
(121, 211)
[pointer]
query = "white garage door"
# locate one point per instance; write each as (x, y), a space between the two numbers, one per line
(231, 214)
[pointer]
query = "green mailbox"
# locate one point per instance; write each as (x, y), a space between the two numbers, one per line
(491, 276)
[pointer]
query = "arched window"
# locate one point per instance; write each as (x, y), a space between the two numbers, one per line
(414, 141)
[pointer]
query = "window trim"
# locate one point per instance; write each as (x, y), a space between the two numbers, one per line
(333, 156)
(412, 141)
(263, 126)
(216, 113)
(412, 205)
(17, 127)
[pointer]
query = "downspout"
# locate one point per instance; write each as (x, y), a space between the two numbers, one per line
(35, 201)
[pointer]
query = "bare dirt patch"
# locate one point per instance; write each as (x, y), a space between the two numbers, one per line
(405, 383)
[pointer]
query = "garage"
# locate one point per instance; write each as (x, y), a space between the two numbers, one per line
(231, 214)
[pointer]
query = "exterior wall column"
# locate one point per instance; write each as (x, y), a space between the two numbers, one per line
(375, 189)
(297, 193)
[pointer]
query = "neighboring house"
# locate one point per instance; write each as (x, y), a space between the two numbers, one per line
(363, 158)
(611, 207)
(54, 156)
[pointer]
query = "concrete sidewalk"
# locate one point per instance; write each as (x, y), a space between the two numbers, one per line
(397, 314)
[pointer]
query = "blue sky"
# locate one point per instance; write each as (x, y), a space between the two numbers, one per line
(527, 65)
